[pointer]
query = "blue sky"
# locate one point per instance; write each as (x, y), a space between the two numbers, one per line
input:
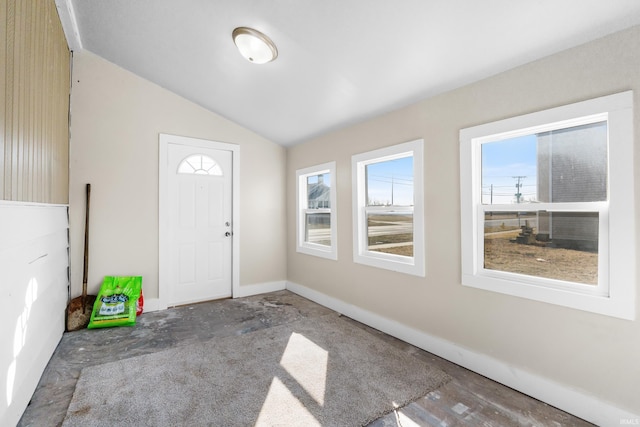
(501, 162)
(504, 160)
(396, 174)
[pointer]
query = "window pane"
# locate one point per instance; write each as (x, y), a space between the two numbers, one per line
(318, 228)
(509, 171)
(554, 245)
(390, 183)
(199, 164)
(573, 164)
(318, 191)
(564, 165)
(390, 233)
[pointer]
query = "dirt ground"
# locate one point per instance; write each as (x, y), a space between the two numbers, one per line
(553, 263)
(503, 255)
(405, 250)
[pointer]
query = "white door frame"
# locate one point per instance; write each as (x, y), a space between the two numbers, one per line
(163, 210)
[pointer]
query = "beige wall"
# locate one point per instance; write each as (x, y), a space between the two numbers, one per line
(34, 103)
(594, 354)
(116, 117)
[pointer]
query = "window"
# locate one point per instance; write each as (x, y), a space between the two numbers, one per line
(389, 209)
(199, 164)
(547, 206)
(316, 202)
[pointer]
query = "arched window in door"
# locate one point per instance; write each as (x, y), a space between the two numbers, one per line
(199, 164)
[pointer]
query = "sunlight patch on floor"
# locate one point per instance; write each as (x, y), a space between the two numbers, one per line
(306, 362)
(282, 406)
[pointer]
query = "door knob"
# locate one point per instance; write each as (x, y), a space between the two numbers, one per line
(227, 234)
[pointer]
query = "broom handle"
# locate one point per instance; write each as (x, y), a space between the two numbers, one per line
(85, 272)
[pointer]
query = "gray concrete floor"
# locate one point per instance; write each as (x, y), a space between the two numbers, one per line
(468, 400)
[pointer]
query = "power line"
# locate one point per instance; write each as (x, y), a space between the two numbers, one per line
(507, 186)
(394, 182)
(394, 177)
(501, 176)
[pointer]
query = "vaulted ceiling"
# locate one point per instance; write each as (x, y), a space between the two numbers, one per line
(340, 61)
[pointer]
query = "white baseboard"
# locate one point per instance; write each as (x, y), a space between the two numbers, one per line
(152, 304)
(259, 288)
(559, 395)
(155, 304)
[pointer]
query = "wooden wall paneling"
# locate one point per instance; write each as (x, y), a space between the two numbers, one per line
(64, 84)
(19, 83)
(35, 84)
(8, 100)
(3, 85)
(60, 194)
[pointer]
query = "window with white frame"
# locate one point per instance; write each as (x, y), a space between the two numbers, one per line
(316, 207)
(388, 208)
(547, 206)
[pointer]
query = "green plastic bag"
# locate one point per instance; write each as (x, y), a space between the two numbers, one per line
(116, 302)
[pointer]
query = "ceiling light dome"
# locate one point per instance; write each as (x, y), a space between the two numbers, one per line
(254, 46)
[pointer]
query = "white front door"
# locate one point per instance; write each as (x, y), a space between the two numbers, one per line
(199, 223)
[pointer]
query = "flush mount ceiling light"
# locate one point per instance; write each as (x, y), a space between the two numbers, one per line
(254, 45)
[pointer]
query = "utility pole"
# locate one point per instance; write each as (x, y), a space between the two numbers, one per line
(491, 214)
(518, 187)
(518, 193)
(392, 191)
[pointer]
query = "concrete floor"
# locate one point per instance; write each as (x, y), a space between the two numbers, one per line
(468, 400)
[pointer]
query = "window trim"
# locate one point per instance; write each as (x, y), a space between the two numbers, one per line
(410, 265)
(302, 246)
(616, 255)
